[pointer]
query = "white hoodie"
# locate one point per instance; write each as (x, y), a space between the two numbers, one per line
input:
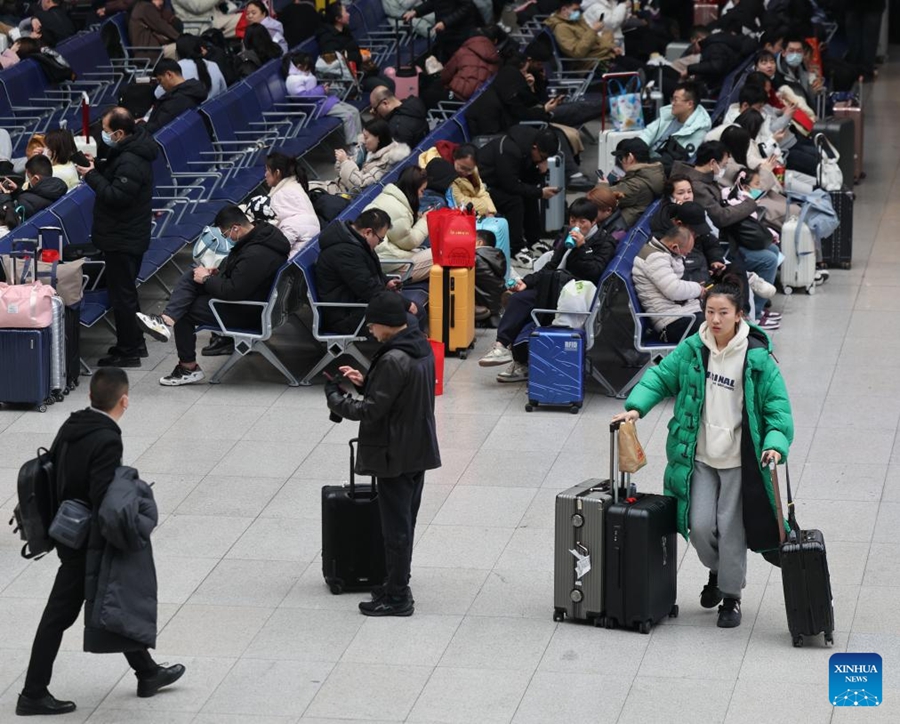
(719, 440)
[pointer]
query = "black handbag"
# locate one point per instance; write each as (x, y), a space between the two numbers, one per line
(748, 234)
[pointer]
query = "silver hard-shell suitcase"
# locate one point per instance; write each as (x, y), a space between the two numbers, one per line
(555, 208)
(58, 349)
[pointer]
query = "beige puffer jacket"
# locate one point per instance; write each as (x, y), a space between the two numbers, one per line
(656, 275)
(406, 235)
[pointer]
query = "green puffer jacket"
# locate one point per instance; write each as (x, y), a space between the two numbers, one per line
(767, 425)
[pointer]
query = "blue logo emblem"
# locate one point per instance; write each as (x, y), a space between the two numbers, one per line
(854, 680)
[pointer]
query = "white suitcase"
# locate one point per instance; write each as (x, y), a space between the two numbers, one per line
(606, 146)
(555, 208)
(798, 270)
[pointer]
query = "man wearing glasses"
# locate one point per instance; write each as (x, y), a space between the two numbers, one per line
(348, 270)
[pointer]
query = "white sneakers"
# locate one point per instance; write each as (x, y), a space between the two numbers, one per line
(153, 325)
(516, 372)
(497, 355)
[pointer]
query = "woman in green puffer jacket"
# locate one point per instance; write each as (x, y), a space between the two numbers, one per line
(732, 417)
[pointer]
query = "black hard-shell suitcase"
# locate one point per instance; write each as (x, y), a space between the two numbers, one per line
(842, 134)
(641, 578)
(804, 575)
(352, 544)
(837, 249)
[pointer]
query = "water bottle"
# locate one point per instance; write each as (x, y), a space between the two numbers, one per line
(569, 243)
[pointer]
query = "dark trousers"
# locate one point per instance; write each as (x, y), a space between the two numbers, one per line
(398, 504)
(523, 215)
(516, 316)
(863, 29)
(803, 157)
(121, 280)
(674, 331)
(576, 113)
(62, 610)
(189, 307)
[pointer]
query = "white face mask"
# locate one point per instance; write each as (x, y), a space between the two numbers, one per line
(721, 172)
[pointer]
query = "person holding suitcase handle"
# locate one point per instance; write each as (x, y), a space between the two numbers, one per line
(732, 417)
(397, 438)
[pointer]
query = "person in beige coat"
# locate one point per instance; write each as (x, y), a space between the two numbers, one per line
(382, 154)
(577, 38)
(404, 239)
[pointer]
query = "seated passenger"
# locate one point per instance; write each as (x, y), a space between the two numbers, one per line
(258, 49)
(179, 95)
(380, 153)
(720, 53)
(348, 269)
(467, 188)
(43, 187)
(409, 228)
(657, 277)
(490, 277)
(408, 119)
(578, 39)
(642, 183)
(288, 186)
(439, 177)
(474, 63)
(685, 121)
(195, 65)
(256, 13)
(152, 25)
(300, 81)
(586, 261)
(246, 274)
(61, 145)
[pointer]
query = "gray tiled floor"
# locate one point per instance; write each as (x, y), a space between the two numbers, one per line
(238, 469)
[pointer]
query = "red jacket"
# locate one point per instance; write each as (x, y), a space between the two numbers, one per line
(474, 63)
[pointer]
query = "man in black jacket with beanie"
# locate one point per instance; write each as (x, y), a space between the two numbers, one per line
(123, 215)
(246, 274)
(86, 453)
(397, 438)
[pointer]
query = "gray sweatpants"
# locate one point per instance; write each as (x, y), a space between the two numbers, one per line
(717, 525)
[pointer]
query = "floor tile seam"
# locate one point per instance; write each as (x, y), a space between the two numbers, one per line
(887, 203)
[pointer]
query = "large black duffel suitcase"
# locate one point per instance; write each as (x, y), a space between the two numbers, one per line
(837, 249)
(640, 584)
(804, 575)
(352, 544)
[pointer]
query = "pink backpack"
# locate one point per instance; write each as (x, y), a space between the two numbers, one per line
(26, 306)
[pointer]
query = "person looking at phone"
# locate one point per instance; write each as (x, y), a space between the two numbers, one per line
(397, 437)
(732, 419)
(643, 181)
(43, 187)
(513, 168)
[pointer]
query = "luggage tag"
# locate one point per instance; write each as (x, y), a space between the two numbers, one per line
(582, 561)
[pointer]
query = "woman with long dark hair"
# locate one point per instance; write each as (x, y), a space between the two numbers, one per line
(289, 199)
(259, 48)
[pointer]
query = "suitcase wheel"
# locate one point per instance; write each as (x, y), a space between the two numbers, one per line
(674, 612)
(574, 409)
(463, 353)
(787, 291)
(845, 265)
(798, 641)
(336, 588)
(530, 406)
(644, 627)
(811, 289)
(609, 622)
(58, 396)
(559, 614)
(600, 622)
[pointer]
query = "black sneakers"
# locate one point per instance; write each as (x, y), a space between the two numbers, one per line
(729, 613)
(47, 705)
(388, 606)
(711, 596)
(164, 676)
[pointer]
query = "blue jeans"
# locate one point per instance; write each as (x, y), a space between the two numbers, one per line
(765, 263)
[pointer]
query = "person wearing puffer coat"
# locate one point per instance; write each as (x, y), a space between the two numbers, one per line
(295, 216)
(206, 14)
(404, 239)
(685, 121)
(382, 153)
(578, 39)
(614, 14)
(473, 64)
(395, 9)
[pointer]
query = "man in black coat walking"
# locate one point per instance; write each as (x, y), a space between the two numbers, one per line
(397, 438)
(246, 274)
(123, 215)
(86, 453)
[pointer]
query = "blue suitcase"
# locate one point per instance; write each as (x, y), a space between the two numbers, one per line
(25, 359)
(556, 368)
(500, 229)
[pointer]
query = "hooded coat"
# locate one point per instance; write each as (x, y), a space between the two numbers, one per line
(397, 431)
(123, 209)
(474, 63)
(577, 39)
(689, 136)
(409, 121)
(767, 424)
(406, 234)
(720, 53)
(184, 96)
(41, 195)
(641, 185)
(506, 163)
(347, 270)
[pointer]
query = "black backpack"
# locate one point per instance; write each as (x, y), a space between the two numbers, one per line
(38, 503)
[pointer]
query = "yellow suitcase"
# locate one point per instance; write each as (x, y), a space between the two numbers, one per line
(451, 308)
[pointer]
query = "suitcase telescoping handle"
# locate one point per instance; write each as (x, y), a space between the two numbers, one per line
(792, 520)
(624, 478)
(355, 441)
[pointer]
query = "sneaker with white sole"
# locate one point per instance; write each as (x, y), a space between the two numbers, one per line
(821, 277)
(524, 259)
(154, 325)
(182, 376)
(497, 355)
(516, 372)
(769, 323)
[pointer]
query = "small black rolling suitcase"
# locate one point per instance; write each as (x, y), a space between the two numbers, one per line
(352, 544)
(842, 134)
(641, 578)
(804, 575)
(837, 249)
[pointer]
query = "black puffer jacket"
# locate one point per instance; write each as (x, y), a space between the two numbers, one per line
(347, 270)
(173, 103)
(397, 432)
(720, 53)
(506, 163)
(56, 25)
(409, 122)
(586, 262)
(123, 209)
(506, 101)
(121, 602)
(456, 15)
(39, 196)
(332, 40)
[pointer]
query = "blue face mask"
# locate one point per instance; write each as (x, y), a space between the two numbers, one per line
(793, 59)
(107, 139)
(575, 15)
(755, 193)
